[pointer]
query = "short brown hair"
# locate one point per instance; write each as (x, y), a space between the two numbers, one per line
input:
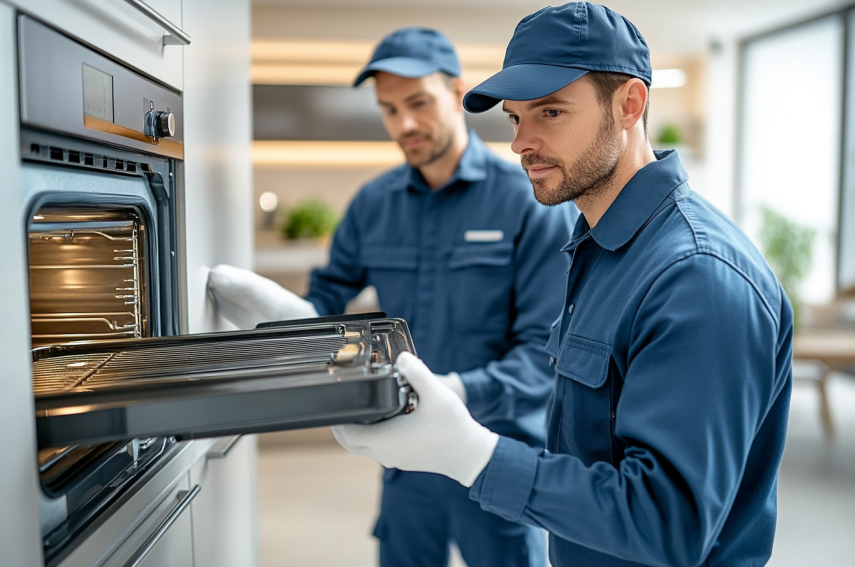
(606, 85)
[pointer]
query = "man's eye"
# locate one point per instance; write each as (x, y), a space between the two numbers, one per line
(552, 113)
(418, 103)
(514, 119)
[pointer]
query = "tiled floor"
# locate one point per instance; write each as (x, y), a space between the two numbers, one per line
(317, 504)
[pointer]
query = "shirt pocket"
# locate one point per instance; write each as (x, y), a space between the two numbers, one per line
(392, 271)
(481, 286)
(584, 426)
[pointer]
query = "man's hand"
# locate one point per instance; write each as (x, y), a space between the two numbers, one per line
(247, 299)
(439, 436)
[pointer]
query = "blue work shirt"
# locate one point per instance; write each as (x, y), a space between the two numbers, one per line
(673, 378)
(473, 267)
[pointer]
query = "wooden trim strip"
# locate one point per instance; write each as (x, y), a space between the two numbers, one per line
(165, 146)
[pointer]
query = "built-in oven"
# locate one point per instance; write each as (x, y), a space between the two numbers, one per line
(118, 391)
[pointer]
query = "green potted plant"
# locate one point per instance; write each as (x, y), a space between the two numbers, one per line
(669, 136)
(309, 219)
(787, 246)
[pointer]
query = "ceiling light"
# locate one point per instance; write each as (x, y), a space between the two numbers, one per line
(268, 201)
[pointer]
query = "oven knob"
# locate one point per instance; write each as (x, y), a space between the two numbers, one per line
(165, 124)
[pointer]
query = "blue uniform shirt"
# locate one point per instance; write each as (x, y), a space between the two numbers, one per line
(673, 377)
(475, 270)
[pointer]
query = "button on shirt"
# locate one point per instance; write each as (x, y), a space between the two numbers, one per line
(672, 384)
(476, 271)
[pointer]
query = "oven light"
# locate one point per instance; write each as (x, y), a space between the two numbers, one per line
(38, 217)
(77, 364)
(268, 201)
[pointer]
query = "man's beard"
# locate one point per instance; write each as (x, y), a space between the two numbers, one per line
(590, 175)
(435, 149)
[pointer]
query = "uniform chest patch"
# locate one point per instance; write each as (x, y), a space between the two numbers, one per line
(483, 235)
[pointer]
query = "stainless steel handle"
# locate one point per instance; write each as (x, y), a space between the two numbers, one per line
(176, 35)
(184, 499)
(223, 447)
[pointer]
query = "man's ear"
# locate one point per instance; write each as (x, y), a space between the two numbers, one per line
(630, 102)
(458, 87)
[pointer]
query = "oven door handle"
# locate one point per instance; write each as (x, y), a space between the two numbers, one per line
(184, 499)
(176, 35)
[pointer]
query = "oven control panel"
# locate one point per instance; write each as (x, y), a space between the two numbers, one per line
(68, 87)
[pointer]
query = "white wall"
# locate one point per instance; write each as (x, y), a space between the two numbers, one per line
(218, 174)
(720, 123)
(218, 201)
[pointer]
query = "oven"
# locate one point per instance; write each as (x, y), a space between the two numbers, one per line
(119, 393)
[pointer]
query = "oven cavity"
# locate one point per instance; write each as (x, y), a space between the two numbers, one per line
(88, 276)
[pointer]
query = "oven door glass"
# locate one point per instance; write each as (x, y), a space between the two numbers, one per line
(291, 375)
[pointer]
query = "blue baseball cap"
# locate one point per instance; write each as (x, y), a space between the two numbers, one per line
(556, 46)
(412, 53)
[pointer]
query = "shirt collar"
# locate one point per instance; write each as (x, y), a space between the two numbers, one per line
(635, 204)
(472, 166)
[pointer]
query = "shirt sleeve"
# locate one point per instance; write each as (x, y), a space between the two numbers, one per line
(331, 287)
(705, 364)
(521, 381)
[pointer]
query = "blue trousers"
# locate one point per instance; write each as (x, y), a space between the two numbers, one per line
(422, 513)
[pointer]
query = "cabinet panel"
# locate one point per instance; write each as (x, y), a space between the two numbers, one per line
(175, 548)
(225, 531)
(118, 29)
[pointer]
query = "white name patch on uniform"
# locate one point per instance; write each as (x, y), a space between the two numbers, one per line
(483, 235)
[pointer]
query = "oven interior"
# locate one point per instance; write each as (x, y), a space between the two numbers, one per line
(89, 280)
(88, 275)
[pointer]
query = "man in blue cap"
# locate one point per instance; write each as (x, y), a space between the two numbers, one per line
(456, 244)
(672, 355)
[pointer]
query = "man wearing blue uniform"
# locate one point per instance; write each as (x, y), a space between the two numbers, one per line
(672, 353)
(456, 244)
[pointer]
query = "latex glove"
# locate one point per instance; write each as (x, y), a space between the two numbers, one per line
(247, 299)
(438, 437)
(453, 382)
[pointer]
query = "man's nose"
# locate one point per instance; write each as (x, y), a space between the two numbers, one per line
(407, 123)
(525, 140)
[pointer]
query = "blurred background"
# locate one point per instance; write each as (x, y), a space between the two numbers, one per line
(756, 95)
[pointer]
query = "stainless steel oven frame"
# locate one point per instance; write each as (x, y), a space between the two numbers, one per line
(98, 137)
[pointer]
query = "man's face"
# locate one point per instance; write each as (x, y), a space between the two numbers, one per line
(419, 114)
(568, 142)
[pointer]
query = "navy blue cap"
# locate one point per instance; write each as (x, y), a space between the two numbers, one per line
(412, 53)
(556, 46)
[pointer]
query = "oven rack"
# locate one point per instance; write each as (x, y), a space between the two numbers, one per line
(180, 362)
(306, 373)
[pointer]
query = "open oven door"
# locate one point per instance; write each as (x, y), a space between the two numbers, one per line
(287, 375)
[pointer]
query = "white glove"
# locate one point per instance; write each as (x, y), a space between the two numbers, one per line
(247, 299)
(438, 437)
(453, 382)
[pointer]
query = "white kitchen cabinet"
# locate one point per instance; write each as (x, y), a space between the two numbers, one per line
(20, 544)
(224, 513)
(118, 29)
